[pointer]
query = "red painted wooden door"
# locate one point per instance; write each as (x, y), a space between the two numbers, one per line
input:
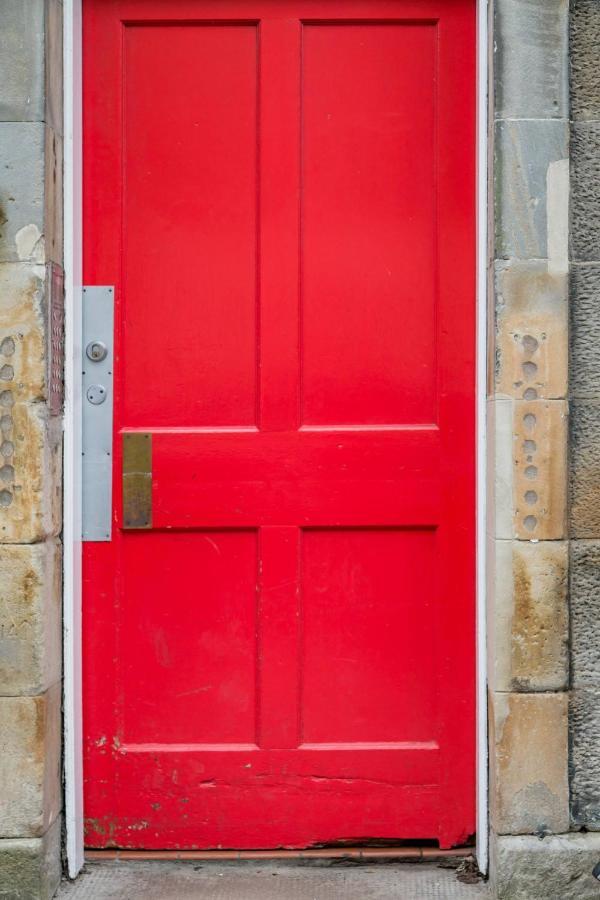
(282, 194)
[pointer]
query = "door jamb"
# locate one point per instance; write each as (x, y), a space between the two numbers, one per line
(72, 587)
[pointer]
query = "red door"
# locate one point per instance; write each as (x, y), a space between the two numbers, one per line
(279, 637)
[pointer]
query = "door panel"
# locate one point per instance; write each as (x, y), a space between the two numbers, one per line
(281, 653)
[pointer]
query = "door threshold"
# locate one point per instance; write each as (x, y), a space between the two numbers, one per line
(417, 854)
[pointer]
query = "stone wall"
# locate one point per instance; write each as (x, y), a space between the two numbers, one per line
(544, 656)
(30, 448)
(585, 415)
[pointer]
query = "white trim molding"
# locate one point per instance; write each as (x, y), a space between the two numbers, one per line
(72, 701)
(73, 713)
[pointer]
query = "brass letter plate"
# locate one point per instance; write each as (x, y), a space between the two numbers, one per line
(137, 480)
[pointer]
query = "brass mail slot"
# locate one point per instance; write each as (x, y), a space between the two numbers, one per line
(137, 480)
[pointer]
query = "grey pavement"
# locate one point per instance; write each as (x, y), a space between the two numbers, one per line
(276, 880)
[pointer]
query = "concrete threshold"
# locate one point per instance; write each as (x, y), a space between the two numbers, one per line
(316, 878)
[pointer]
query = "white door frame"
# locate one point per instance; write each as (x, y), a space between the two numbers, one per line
(72, 591)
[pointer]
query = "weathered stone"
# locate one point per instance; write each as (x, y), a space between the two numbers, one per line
(23, 325)
(585, 331)
(585, 72)
(30, 622)
(530, 64)
(30, 475)
(528, 763)
(22, 61)
(585, 194)
(22, 191)
(584, 723)
(529, 619)
(559, 867)
(524, 153)
(30, 772)
(584, 469)
(30, 867)
(585, 613)
(531, 331)
(540, 469)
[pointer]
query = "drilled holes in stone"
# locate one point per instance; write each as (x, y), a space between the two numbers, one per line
(7, 447)
(530, 523)
(529, 367)
(530, 470)
(7, 347)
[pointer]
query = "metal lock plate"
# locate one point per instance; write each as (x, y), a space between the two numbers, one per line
(97, 400)
(96, 394)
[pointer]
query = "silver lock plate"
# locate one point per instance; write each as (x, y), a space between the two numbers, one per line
(97, 399)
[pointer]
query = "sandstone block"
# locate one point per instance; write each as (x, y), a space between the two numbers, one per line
(529, 790)
(524, 153)
(529, 617)
(30, 473)
(585, 613)
(531, 79)
(540, 430)
(584, 306)
(22, 61)
(585, 73)
(53, 232)
(584, 469)
(531, 331)
(584, 725)
(30, 617)
(23, 328)
(22, 191)
(30, 750)
(30, 867)
(559, 867)
(585, 196)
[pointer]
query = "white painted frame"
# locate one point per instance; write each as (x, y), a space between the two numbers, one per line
(72, 591)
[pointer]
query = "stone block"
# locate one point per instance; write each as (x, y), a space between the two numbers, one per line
(584, 306)
(530, 62)
(529, 791)
(22, 61)
(585, 613)
(584, 727)
(559, 867)
(584, 469)
(30, 868)
(23, 328)
(531, 331)
(22, 191)
(585, 194)
(30, 750)
(585, 72)
(529, 617)
(30, 617)
(525, 152)
(540, 431)
(30, 474)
